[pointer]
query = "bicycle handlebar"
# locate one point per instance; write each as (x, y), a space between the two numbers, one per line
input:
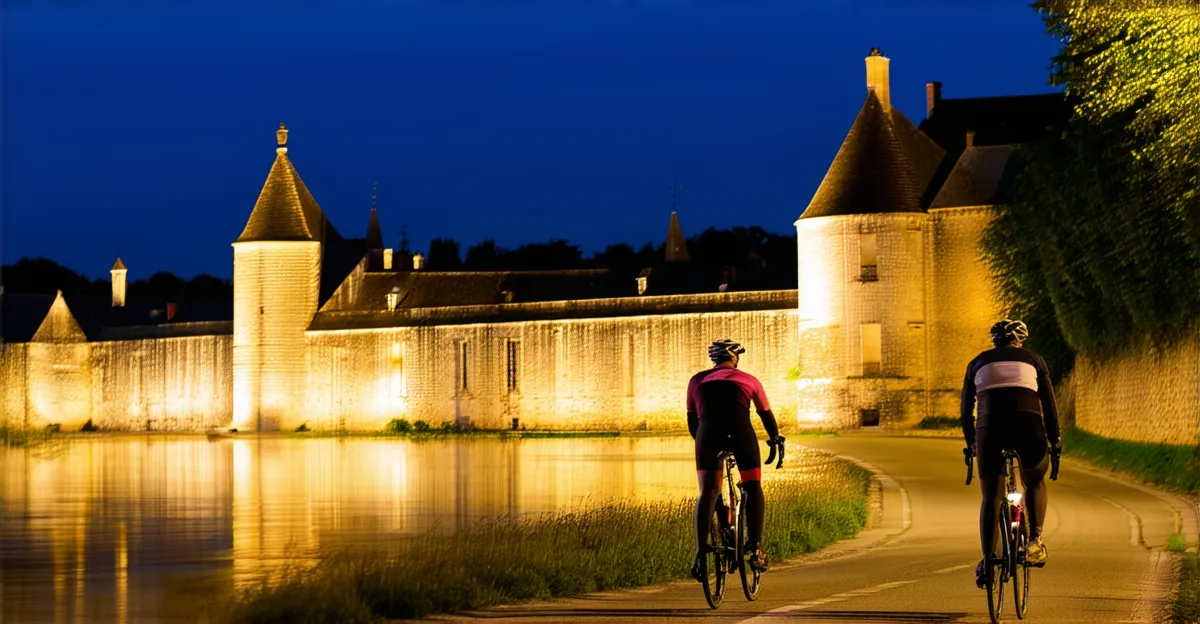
(771, 456)
(968, 456)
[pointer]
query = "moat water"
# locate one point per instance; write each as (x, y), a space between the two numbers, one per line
(156, 528)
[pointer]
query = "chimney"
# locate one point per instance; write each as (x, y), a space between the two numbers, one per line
(933, 95)
(393, 298)
(387, 259)
(172, 309)
(118, 272)
(877, 77)
(970, 139)
(418, 262)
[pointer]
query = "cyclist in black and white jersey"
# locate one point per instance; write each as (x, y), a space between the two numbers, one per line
(1016, 411)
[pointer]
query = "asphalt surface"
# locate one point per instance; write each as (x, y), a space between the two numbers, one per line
(1105, 538)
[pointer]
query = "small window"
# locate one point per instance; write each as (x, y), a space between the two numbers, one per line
(868, 417)
(462, 365)
(513, 359)
(868, 255)
(871, 350)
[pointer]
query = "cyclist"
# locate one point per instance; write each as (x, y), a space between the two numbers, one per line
(718, 412)
(1016, 411)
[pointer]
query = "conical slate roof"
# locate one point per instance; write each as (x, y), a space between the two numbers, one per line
(884, 165)
(285, 210)
(374, 235)
(676, 245)
(118, 265)
(59, 325)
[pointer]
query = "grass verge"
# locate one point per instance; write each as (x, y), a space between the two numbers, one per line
(19, 437)
(940, 422)
(620, 545)
(1187, 603)
(1176, 467)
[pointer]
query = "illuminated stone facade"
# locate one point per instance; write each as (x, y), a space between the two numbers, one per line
(336, 334)
(629, 372)
(1152, 396)
(894, 300)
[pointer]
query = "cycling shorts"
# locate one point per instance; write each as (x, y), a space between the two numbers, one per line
(1023, 432)
(744, 447)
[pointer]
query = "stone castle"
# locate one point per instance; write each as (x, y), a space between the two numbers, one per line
(335, 333)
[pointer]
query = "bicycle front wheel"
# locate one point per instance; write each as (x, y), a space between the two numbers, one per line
(751, 578)
(1021, 567)
(714, 564)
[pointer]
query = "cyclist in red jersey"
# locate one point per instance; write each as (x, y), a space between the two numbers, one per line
(718, 411)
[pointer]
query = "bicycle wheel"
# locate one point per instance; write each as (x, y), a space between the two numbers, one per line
(1021, 568)
(751, 578)
(997, 573)
(713, 565)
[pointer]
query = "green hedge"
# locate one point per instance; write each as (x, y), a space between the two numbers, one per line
(1176, 467)
(1098, 245)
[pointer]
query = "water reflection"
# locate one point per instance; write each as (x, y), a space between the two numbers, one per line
(151, 528)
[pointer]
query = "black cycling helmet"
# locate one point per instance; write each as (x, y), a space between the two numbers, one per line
(1006, 332)
(724, 351)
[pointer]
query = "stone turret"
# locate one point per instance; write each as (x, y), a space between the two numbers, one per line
(118, 272)
(276, 278)
(861, 244)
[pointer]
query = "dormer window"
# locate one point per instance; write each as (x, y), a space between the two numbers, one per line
(393, 298)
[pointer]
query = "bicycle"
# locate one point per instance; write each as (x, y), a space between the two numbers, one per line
(725, 549)
(1011, 565)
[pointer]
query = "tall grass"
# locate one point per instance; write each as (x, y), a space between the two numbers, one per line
(1176, 467)
(506, 560)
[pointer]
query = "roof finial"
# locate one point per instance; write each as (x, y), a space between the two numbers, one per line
(374, 192)
(281, 138)
(875, 52)
(675, 188)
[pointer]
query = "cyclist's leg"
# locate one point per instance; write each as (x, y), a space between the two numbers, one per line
(1034, 479)
(1033, 451)
(710, 486)
(749, 463)
(989, 451)
(708, 475)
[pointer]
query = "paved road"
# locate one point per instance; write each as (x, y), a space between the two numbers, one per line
(917, 564)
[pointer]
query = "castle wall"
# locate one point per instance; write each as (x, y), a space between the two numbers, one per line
(963, 302)
(598, 373)
(839, 378)
(1144, 397)
(13, 385)
(163, 384)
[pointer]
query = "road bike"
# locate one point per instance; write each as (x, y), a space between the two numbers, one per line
(725, 547)
(1012, 564)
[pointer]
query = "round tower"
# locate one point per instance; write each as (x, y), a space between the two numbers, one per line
(862, 266)
(276, 280)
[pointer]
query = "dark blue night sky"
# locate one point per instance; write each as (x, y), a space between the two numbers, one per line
(148, 134)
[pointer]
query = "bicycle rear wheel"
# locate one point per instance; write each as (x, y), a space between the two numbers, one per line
(997, 572)
(751, 578)
(714, 564)
(1020, 572)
